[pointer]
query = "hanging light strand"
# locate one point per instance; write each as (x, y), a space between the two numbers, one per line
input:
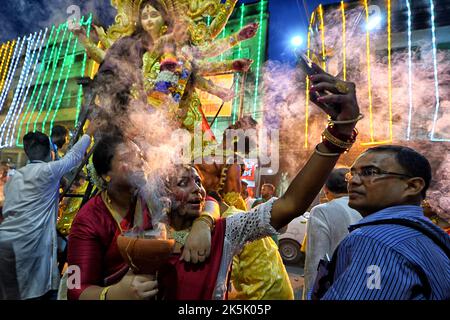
(36, 63)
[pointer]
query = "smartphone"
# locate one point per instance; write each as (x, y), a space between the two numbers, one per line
(305, 63)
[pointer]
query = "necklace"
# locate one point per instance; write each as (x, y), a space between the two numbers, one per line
(108, 203)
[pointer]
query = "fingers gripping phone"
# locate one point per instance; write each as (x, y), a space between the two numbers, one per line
(305, 63)
(310, 68)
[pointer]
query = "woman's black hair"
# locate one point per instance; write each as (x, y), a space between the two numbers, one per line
(104, 153)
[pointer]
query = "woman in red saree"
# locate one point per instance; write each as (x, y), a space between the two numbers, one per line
(184, 281)
(93, 237)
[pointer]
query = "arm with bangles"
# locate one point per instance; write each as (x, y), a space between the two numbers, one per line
(338, 137)
(198, 243)
(343, 108)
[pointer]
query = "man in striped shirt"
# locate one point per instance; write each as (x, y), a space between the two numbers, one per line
(382, 260)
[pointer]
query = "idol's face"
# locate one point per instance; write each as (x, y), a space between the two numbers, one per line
(151, 20)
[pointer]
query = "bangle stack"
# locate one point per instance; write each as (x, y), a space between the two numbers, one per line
(207, 219)
(336, 142)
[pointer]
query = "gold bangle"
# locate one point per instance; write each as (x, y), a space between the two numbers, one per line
(360, 117)
(324, 154)
(337, 142)
(104, 292)
(206, 218)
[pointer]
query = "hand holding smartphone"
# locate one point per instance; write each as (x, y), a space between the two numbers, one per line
(310, 68)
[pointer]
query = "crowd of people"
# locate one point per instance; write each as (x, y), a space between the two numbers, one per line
(370, 241)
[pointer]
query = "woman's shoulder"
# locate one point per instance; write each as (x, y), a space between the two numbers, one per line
(94, 209)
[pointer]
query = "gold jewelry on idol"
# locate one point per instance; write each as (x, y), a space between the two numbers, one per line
(163, 30)
(342, 87)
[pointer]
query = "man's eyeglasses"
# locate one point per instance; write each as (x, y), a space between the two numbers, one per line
(370, 172)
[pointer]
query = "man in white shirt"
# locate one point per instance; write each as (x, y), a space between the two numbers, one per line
(28, 266)
(328, 225)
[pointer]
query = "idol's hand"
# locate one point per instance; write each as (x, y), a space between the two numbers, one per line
(336, 97)
(242, 65)
(249, 31)
(78, 30)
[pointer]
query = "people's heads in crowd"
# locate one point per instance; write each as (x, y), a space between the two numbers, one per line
(118, 162)
(60, 136)
(187, 193)
(37, 146)
(336, 185)
(244, 190)
(3, 173)
(267, 191)
(387, 176)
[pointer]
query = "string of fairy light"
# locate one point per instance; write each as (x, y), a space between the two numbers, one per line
(36, 63)
(436, 115)
(369, 78)
(261, 31)
(41, 85)
(436, 75)
(410, 89)
(14, 109)
(33, 94)
(310, 31)
(88, 23)
(344, 42)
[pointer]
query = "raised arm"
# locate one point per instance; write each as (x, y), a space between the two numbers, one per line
(75, 155)
(309, 181)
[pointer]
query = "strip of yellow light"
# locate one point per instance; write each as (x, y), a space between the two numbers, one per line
(344, 41)
(322, 35)
(307, 81)
(7, 61)
(391, 134)
(2, 50)
(369, 80)
(375, 143)
(95, 65)
(3, 53)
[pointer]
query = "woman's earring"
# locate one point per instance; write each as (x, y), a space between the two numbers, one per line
(108, 179)
(163, 30)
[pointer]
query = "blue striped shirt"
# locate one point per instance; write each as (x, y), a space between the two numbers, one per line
(391, 262)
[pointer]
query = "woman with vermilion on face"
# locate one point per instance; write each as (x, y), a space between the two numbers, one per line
(185, 281)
